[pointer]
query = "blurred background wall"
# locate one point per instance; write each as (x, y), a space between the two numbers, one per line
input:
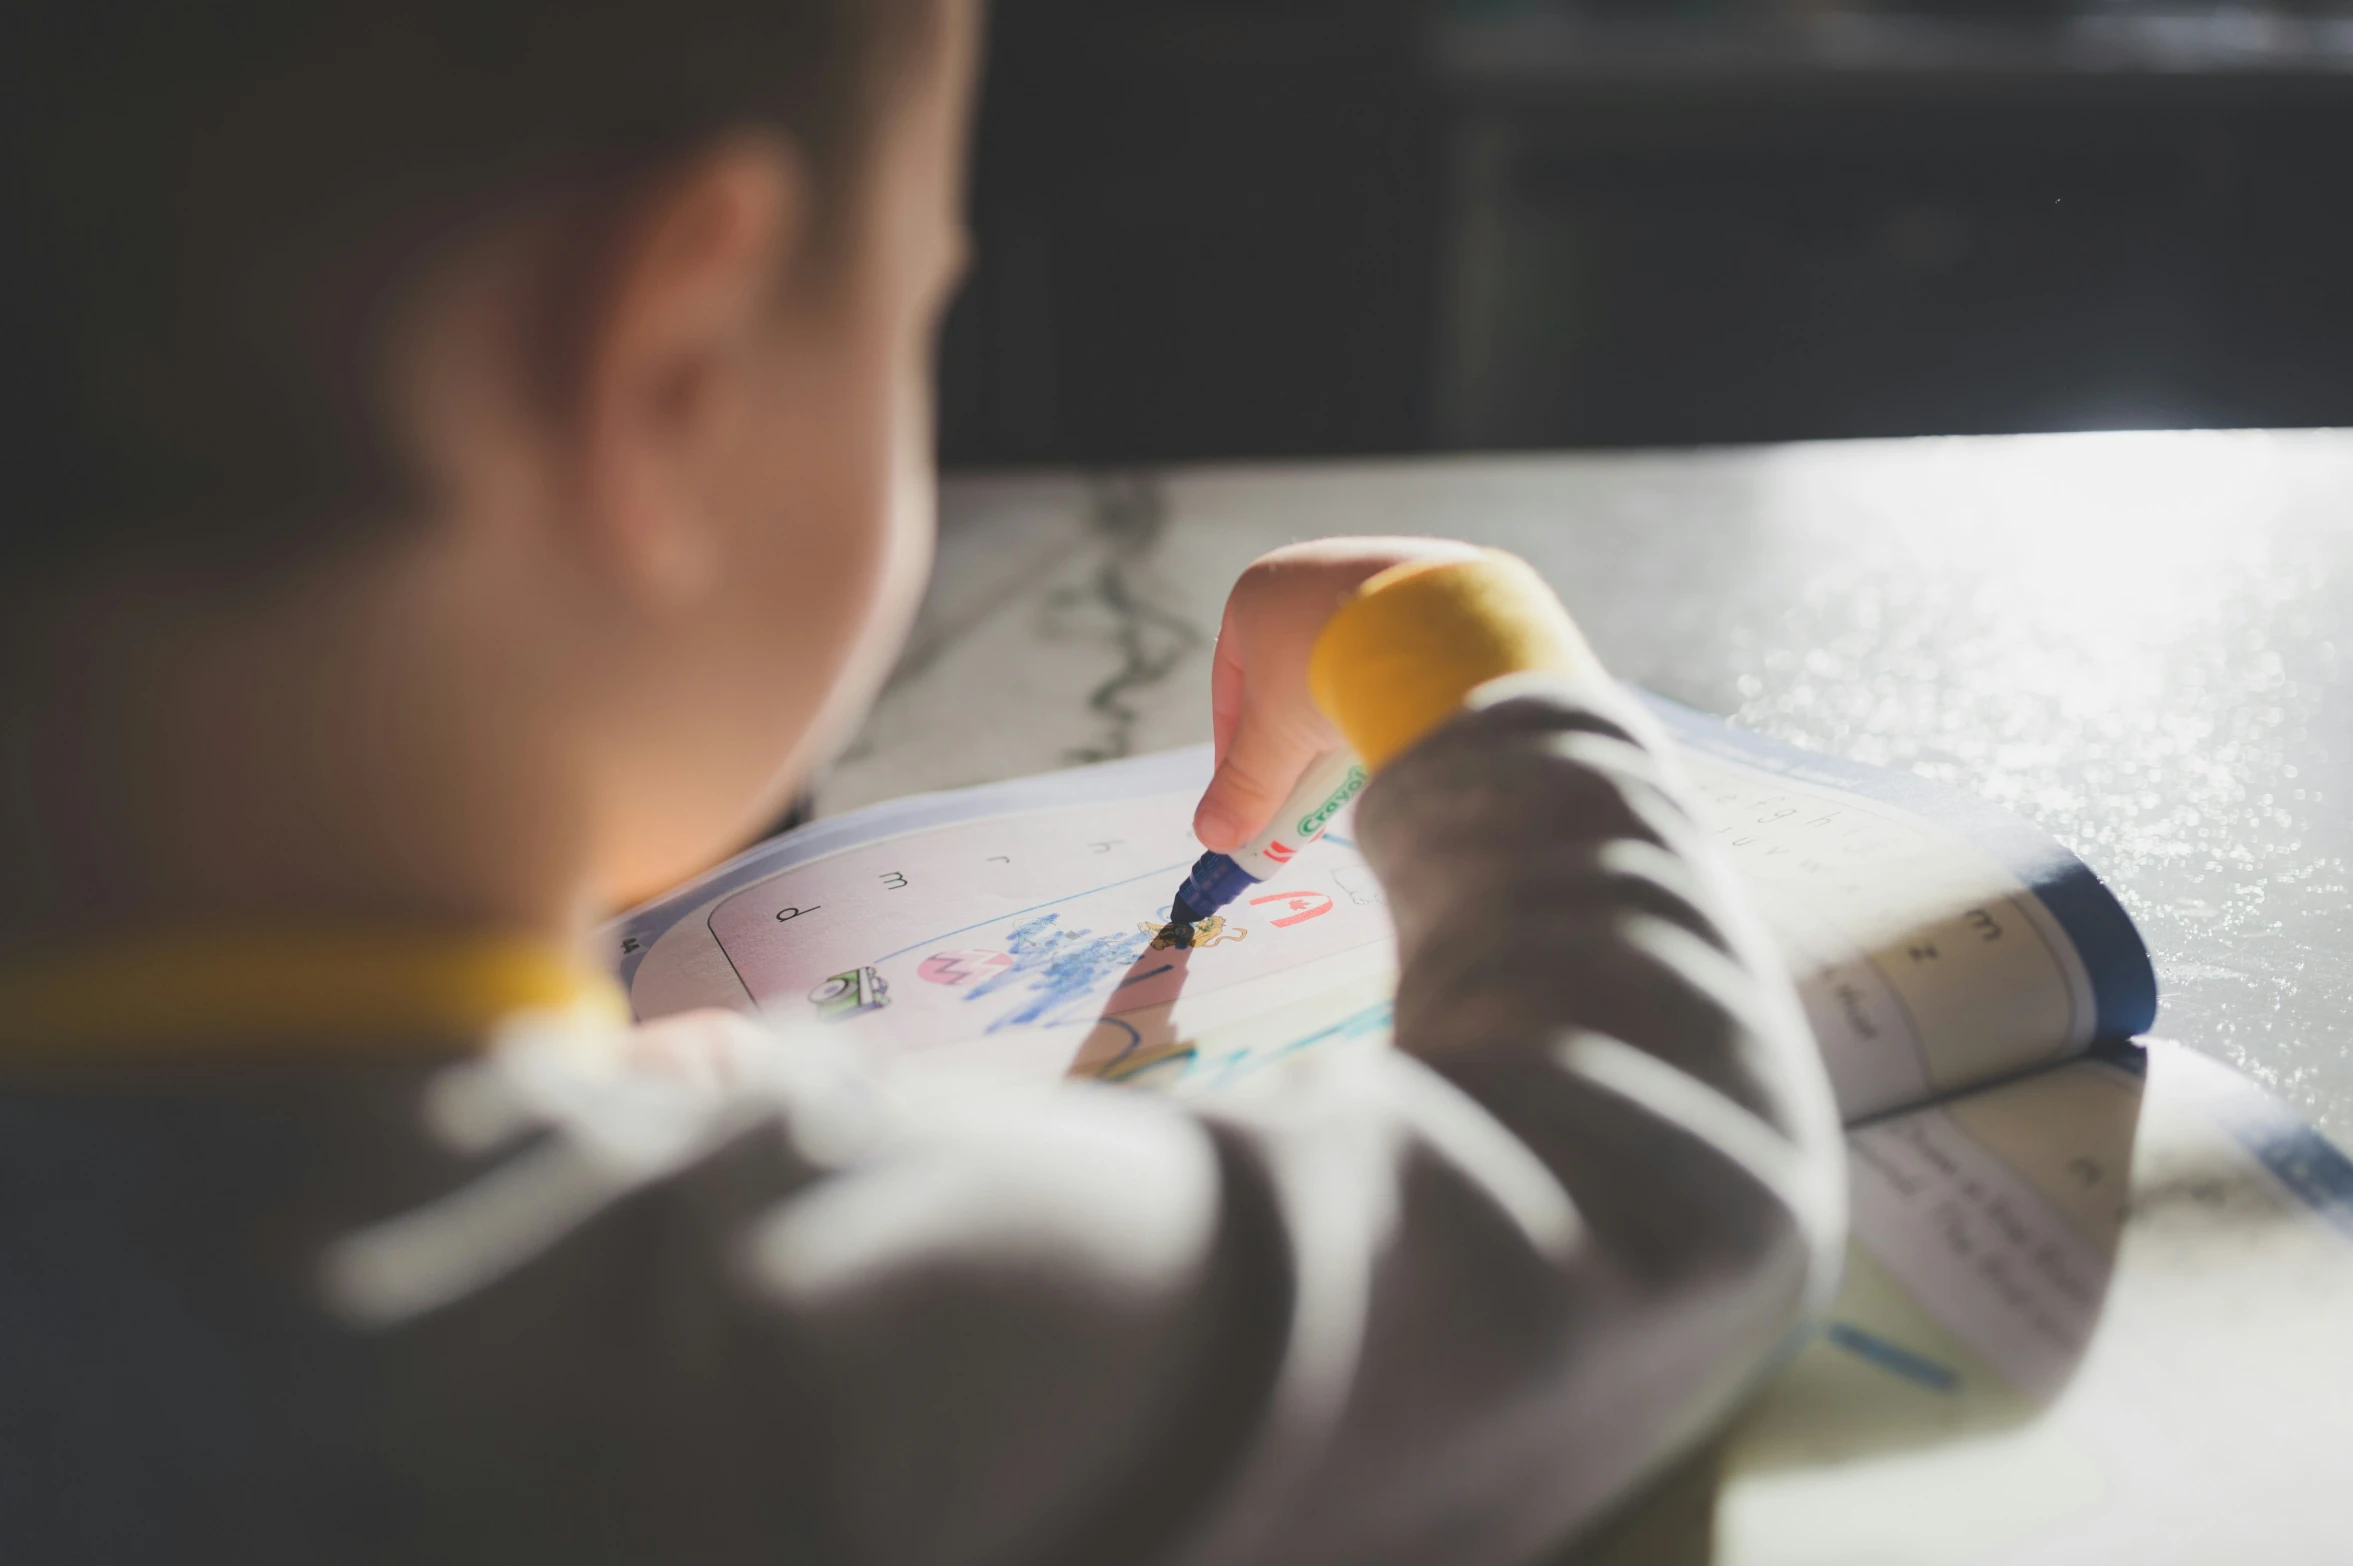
(1233, 228)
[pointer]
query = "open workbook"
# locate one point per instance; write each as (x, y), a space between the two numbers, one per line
(2092, 1289)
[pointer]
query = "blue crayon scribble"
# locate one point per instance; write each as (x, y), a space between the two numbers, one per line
(1893, 1358)
(1056, 967)
(1235, 1064)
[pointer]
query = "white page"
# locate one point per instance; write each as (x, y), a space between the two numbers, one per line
(1925, 964)
(1006, 930)
(2088, 1318)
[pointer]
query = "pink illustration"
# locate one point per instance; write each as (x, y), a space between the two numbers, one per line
(962, 967)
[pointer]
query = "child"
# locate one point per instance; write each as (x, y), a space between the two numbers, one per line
(469, 463)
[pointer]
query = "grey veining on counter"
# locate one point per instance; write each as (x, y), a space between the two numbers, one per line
(2138, 641)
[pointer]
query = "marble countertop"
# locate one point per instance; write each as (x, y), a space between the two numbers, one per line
(2139, 641)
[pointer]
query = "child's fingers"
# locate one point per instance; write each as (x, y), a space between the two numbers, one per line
(1225, 693)
(1263, 761)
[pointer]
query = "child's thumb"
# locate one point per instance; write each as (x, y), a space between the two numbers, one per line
(1262, 764)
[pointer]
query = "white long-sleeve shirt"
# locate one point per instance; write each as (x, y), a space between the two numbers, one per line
(554, 1303)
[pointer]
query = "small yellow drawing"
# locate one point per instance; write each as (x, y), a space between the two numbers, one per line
(1212, 931)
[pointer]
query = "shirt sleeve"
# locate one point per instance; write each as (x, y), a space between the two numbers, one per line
(1446, 1302)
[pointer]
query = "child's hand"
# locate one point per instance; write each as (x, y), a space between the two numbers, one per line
(1268, 727)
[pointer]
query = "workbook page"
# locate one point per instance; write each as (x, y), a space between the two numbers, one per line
(1936, 941)
(1034, 940)
(1013, 930)
(2094, 1314)
(1014, 933)
(1925, 964)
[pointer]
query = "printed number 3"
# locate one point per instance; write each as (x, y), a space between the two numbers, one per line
(892, 880)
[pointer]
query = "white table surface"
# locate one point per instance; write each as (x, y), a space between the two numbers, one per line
(2139, 641)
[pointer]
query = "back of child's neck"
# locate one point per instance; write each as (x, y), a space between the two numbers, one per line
(181, 762)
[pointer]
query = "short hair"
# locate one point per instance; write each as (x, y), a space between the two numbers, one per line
(212, 211)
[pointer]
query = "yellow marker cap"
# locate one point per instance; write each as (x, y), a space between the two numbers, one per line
(1400, 657)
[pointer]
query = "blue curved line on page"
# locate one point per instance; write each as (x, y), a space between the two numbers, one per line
(1071, 897)
(1137, 777)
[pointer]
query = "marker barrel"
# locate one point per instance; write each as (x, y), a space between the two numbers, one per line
(1335, 778)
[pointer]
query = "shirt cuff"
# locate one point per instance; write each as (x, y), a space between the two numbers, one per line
(1401, 656)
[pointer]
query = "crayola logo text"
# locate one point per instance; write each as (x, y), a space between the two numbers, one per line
(1319, 818)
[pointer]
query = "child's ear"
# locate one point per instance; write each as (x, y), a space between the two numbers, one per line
(668, 359)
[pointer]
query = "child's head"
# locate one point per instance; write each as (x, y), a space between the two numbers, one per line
(468, 401)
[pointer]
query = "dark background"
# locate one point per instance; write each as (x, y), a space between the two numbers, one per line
(1237, 228)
